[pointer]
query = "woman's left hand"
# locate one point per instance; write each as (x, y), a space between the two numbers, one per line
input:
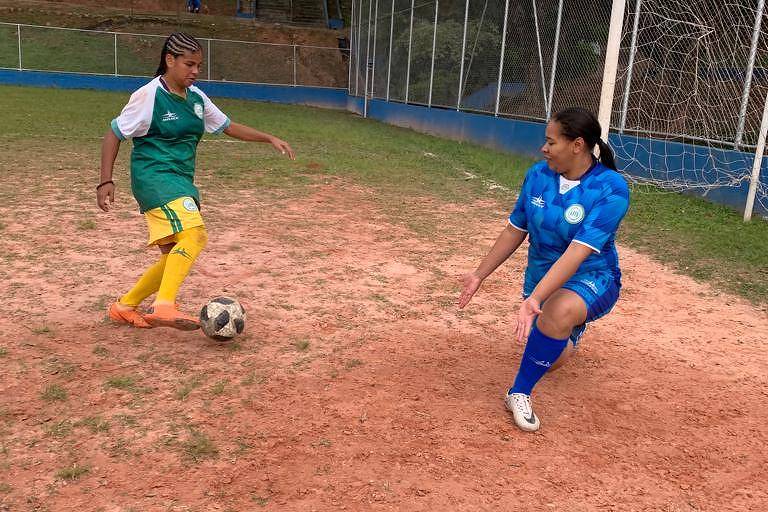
(529, 309)
(282, 147)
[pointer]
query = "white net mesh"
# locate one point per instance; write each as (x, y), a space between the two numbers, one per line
(687, 99)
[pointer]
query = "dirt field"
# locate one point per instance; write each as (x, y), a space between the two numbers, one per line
(358, 384)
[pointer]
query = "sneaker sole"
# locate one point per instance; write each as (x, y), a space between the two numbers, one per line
(175, 323)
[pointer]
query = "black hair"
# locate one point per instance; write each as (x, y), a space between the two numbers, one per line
(176, 44)
(579, 122)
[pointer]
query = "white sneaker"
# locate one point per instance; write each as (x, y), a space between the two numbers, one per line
(519, 405)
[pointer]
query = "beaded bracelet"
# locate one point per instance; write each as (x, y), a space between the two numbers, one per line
(102, 184)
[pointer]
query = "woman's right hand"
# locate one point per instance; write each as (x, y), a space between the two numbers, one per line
(470, 283)
(105, 196)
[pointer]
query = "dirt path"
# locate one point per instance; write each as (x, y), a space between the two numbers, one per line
(359, 386)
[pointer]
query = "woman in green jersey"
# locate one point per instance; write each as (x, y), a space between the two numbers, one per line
(166, 119)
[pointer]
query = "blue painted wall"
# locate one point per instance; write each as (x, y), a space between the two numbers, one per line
(311, 96)
(634, 155)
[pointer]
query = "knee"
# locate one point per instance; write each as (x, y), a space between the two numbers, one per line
(197, 236)
(557, 322)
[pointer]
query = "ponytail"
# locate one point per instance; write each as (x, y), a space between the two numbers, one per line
(579, 122)
(176, 44)
(606, 155)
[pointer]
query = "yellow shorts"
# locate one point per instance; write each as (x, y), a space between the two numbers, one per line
(171, 218)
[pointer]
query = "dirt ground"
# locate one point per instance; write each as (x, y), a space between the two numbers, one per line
(358, 384)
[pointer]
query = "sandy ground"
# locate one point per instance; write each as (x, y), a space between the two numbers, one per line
(358, 384)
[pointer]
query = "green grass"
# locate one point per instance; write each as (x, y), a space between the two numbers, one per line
(198, 447)
(72, 472)
(54, 393)
(691, 235)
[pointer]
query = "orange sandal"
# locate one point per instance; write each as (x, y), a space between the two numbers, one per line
(168, 315)
(127, 316)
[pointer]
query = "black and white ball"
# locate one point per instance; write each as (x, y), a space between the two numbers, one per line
(222, 318)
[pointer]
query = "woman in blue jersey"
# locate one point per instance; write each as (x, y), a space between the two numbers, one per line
(569, 208)
(166, 119)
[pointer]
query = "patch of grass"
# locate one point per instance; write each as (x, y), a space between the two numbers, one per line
(86, 225)
(253, 378)
(353, 363)
(126, 420)
(100, 351)
(72, 472)
(260, 500)
(198, 447)
(54, 393)
(94, 423)
(301, 345)
(3, 351)
(5, 488)
(60, 429)
(187, 387)
(218, 388)
(56, 366)
(124, 382)
(44, 329)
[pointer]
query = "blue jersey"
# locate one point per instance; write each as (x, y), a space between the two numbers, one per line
(556, 211)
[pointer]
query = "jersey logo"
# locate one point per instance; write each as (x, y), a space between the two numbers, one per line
(591, 284)
(538, 202)
(574, 214)
(190, 205)
(199, 110)
(169, 116)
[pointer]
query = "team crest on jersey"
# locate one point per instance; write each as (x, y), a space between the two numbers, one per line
(190, 205)
(199, 110)
(574, 214)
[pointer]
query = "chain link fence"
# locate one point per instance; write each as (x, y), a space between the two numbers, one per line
(691, 69)
(37, 48)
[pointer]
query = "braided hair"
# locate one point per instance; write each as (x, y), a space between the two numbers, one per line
(176, 44)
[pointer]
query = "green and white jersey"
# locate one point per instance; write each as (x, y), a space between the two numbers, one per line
(165, 129)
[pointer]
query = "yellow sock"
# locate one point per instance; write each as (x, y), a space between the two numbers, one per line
(148, 284)
(189, 244)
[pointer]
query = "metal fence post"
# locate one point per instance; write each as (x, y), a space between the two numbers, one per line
(389, 58)
(750, 71)
(351, 47)
(541, 56)
(18, 31)
(367, 60)
(357, 61)
(554, 59)
(434, 42)
(463, 55)
(630, 66)
(501, 60)
(294, 65)
(115, 53)
(375, 29)
(210, 58)
(410, 41)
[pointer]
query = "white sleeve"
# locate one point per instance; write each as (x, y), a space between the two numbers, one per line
(215, 120)
(136, 117)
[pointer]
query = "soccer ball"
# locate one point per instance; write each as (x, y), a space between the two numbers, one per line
(222, 318)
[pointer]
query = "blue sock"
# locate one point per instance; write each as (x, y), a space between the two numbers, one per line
(540, 353)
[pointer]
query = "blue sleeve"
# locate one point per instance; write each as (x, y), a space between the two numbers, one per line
(604, 218)
(518, 218)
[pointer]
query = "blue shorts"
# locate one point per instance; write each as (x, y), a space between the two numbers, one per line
(599, 290)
